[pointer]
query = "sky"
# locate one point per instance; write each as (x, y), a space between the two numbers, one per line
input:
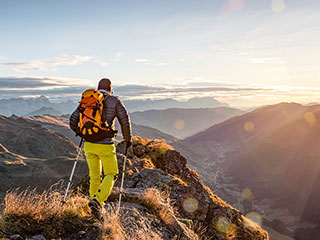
(241, 52)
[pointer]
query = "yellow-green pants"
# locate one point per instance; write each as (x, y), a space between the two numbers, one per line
(97, 155)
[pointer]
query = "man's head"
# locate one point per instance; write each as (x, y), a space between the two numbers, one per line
(105, 84)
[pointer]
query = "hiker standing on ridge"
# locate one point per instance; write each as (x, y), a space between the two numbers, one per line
(101, 150)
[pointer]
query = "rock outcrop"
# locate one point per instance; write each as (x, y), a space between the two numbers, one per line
(156, 165)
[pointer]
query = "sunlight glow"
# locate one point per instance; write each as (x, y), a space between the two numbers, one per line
(247, 194)
(233, 6)
(278, 6)
(249, 126)
(310, 119)
(225, 226)
(190, 204)
(255, 217)
(179, 124)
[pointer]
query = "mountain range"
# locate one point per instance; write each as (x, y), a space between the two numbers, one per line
(27, 106)
(45, 111)
(31, 106)
(272, 154)
(182, 123)
(60, 125)
(161, 104)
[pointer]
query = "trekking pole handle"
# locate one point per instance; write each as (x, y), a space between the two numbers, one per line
(72, 172)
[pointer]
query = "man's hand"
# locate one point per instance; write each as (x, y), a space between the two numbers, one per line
(78, 133)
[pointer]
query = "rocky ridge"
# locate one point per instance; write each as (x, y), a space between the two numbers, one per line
(155, 165)
(187, 209)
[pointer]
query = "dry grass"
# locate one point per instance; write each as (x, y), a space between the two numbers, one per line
(199, 229)
(112, 228)
(158, 144)
(154, 148)
(136, 140)
(147, 163)
(152, 199)
(143, 234)
(30, 213)
(167, 216)
(1, 226)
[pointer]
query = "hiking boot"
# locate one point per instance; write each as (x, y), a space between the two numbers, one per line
(96, 209)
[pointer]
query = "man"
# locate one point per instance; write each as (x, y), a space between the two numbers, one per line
(103, 151)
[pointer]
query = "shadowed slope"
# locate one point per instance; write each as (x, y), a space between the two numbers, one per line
(277, 147)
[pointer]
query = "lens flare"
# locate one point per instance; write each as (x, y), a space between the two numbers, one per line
(237, 4)
(225, 226)
(310, 119)
(247, 194)
(278, 6)
(179, 124)
(255, 217)
(190, 204)
(233, 6)
(249, 126)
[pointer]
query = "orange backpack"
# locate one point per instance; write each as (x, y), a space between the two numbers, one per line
(92, 126)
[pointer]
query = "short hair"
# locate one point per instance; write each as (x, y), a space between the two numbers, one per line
(105, 84)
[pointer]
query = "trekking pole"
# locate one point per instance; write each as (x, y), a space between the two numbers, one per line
(72, 172)
(122, 177)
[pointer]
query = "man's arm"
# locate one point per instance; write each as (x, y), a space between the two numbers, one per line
(74, 121)
(124, 120)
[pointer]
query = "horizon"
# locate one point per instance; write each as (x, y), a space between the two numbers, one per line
(218, 104)
(232, 50)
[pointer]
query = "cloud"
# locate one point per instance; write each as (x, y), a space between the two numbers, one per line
(2, 58)
(142, 60)
(234, 94)
(21, 86)
(261, 60)
(141, 91)
(27, 66)
(70, 60)
(26, 82)
(137, 90)
(244, 53)
(162, 64)
(102, 63)
(55, 92)
(50, 64)
(38, 83)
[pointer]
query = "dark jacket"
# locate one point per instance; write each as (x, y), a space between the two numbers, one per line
(113, 108)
